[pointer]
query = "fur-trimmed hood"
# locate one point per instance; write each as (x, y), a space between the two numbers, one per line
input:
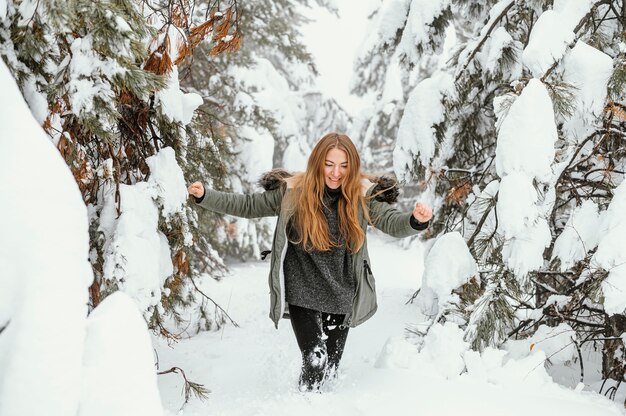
(385, 187)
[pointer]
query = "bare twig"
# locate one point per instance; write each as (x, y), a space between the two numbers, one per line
(580, 358)
(190, 388)
(214, 303)
(417, 292)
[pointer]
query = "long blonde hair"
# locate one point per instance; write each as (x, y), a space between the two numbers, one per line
(308, 194)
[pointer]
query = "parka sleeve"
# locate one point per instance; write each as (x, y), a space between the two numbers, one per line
(391, 221)
(262, 204)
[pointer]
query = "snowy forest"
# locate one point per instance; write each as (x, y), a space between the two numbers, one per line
(508, 117)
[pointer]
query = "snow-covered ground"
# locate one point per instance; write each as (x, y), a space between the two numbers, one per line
(253, 370)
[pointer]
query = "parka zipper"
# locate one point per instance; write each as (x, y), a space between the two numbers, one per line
(367, 267)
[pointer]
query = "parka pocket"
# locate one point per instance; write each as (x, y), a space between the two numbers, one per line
(365, 298)
(369, 277)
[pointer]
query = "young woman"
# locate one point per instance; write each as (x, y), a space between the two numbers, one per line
(320, 268)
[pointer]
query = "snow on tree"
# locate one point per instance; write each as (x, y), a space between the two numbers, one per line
(45, 275)
(518, 142)
(449, 265)
(579, 235)
(524, 153)
(418, 131)
(400, 50)
(137, 257)
(91, 76)
(611, 253)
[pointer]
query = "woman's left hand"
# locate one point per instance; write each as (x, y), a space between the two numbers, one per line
(422, 212)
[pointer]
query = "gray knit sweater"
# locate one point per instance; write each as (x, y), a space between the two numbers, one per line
(320, 280)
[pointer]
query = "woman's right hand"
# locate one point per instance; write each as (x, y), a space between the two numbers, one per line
(196, 189)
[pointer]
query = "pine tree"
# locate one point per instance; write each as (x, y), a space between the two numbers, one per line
(101, 77)
(556, 268)
(392, 60)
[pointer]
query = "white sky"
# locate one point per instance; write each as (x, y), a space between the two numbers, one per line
(334, 41)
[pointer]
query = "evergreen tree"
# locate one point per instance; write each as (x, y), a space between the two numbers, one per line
(388, 66)
(546, 76)
(102, 78)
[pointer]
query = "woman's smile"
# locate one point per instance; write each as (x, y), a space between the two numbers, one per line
(335, 167)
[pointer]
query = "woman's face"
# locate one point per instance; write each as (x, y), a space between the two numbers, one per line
(335, 168)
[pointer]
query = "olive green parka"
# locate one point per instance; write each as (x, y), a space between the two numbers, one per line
(378, 195)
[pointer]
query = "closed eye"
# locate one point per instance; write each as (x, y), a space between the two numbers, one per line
(344, 165)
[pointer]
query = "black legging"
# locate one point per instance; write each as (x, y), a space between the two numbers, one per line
(321, 341)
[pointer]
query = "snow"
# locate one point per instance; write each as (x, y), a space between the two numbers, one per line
(391, 16)
(272, 92)
(104, 364)
(132, 257)
(256, 151)
(86, 71)
(442, 353)
(27, 10)
(118, 377)
(449, 265)
(137, 258)
(579, 235)
(491, 53)
(295, 156)
(58, 362)
(392, 90)
(556, 342)
(444, 348)
(36, 100)
(471, 46)
(121, 24)
(168, 181)
(396, 353)
(43, 267)
(611, 253)
(253, 370)
(517, 204)
(416, 134)
(484, 365)
(176, 105)
(527, 134)
(552, 33)
(524, 252)
(417, 31)
(588, 70)
(524, 153)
